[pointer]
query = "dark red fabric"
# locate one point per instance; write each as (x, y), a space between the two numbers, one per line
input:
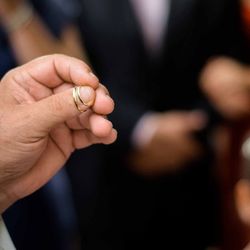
(246, 19)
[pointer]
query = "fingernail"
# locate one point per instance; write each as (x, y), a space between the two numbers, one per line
(106, 90)
(87, 95)
(110, 99)
(93, 75)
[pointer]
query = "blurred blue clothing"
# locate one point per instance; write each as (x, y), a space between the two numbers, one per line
(56, 14)
(46, 219)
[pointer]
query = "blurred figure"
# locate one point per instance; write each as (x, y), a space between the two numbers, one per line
(226, 81)
(157, 190)
(29, 29)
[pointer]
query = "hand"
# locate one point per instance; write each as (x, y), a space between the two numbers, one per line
(40, 125)
(227, 84)
(173, 144)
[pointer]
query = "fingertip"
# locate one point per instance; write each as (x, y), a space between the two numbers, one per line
(115, 134)
(111, 138)
(84, 76)
(104, 104)
(100, 126)
(94, 78)
(110, 106)
(78, 71)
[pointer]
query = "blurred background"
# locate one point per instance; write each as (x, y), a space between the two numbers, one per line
(178, 176)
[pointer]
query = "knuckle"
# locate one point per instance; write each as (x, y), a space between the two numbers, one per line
(57, 103)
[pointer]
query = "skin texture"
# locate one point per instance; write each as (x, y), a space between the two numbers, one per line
(40, 125)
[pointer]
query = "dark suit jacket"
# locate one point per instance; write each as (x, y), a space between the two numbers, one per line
(178, 211)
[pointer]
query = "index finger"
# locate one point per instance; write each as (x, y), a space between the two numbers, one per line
(53, 70)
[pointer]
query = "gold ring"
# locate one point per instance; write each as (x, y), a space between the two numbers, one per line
(77, 99)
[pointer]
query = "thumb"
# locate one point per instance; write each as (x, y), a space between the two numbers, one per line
(195, 120)
(58, 108)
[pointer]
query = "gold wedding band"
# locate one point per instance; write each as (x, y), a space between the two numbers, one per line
(77, 99)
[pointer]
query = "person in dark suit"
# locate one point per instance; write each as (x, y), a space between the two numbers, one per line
(134, 201)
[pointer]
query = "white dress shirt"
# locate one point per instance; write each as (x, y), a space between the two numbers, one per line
(152, 16)
(5, 240)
